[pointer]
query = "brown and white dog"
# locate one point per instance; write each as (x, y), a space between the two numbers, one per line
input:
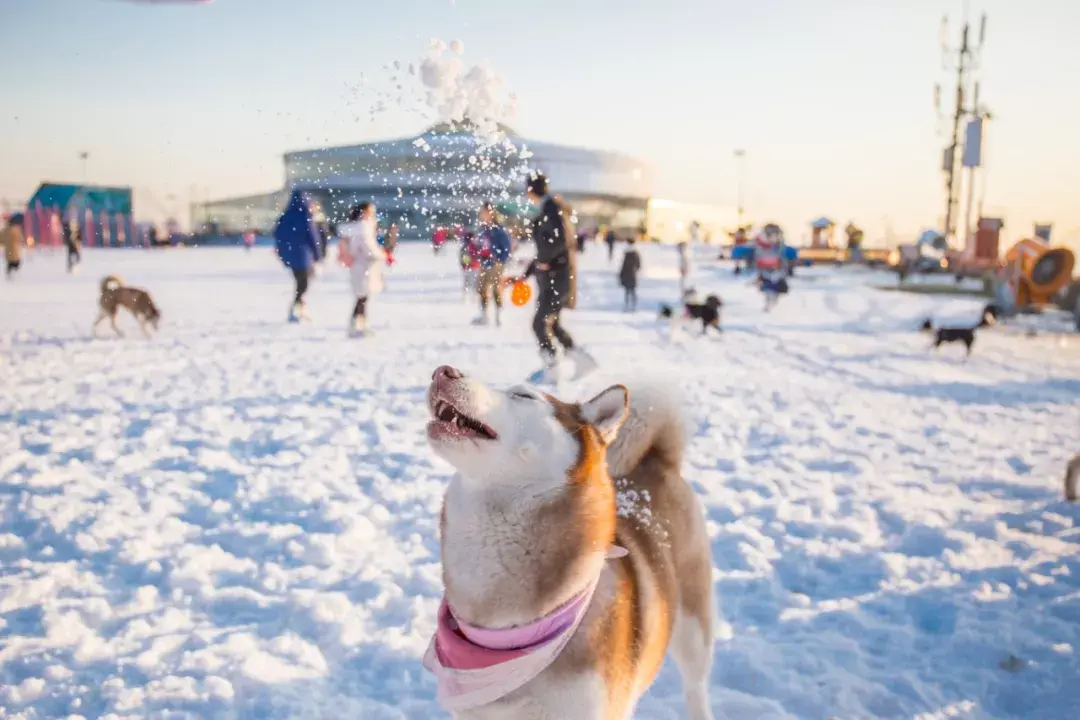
(114, 295)
(534, 525)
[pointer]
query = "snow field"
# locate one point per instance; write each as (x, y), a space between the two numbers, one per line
(238, 518)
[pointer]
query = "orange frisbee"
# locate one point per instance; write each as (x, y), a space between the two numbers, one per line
(520, 293)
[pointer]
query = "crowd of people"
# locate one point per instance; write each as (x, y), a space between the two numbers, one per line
(484, 255)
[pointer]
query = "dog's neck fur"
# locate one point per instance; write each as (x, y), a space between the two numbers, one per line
(516, 549)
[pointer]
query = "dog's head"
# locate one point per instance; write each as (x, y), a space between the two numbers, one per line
(927, 325)
(989, 315)
(666, 311)
(151, 313)
(713, 302)
(520, 436)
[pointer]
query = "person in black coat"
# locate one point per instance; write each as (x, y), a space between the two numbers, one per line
(73, 243)
(631, 266)
(555, 269)
(610, 239)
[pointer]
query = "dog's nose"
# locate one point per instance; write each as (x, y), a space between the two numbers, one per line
(446, 372)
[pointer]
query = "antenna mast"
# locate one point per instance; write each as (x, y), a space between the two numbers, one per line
(967, 59)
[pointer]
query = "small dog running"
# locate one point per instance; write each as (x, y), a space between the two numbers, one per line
(115, 295)
(965, 335)
(707, 313)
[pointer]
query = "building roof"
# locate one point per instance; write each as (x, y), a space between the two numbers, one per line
(95, 198)
(453, 137)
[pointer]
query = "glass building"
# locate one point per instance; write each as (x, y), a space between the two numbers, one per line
(439, 178)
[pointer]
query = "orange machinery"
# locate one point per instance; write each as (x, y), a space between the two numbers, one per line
(1036, 271)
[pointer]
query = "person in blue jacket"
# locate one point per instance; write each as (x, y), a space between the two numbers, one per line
(495, 249)
(299, 246)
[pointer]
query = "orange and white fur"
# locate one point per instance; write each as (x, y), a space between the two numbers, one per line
(544, 488)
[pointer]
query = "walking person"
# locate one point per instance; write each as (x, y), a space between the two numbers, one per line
(298, 245)
(555, 269)
(772, 277)
(686, 266)
(495, 248)
(628, 275)
(469, 257)
(390, 243)
(610, 239)
(13, 240)
(73, 243)
(361, 253)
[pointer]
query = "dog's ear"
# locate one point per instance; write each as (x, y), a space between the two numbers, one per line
(608, 411)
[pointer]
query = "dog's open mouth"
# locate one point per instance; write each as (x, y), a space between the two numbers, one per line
(451, 421)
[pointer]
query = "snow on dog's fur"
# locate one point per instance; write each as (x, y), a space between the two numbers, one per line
(530, 518)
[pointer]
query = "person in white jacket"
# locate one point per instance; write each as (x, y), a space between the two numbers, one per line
(686, 266)
(360, 252)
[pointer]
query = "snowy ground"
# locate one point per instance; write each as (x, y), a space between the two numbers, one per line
(237, 519)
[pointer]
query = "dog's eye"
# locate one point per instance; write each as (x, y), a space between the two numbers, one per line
(518, 395)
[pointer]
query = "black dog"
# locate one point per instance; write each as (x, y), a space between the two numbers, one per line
(944, 335)
(708, 313)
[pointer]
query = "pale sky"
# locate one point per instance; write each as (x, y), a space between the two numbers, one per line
(832, 99)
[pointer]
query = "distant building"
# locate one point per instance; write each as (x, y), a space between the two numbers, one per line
(236, 216)
(439, 178)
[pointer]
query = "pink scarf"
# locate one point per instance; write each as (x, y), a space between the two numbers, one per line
(476, 666)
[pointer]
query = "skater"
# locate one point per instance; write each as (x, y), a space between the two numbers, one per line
(360, 252)
(631, 266)
(610, 239)
(298, 244)
(73, 243)
(495, 247)
(13, 240)
(555, 268)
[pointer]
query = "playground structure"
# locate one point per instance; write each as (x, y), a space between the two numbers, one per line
(822, 248)
(1034, 272)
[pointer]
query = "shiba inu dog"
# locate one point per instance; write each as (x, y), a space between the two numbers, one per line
(574, 554)
(114, 295)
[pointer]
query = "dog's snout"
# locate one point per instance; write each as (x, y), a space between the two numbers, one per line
(446, 372)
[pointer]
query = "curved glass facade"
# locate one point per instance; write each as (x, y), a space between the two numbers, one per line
(440, 178)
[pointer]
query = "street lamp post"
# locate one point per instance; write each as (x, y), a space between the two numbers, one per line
(84, 156)
(740, 169)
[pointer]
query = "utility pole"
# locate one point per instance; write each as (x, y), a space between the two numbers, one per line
(84, 156)
(978, 114)
(967, 57)
(740, 169)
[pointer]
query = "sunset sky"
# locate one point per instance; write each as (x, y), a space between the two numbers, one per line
(832, 100)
